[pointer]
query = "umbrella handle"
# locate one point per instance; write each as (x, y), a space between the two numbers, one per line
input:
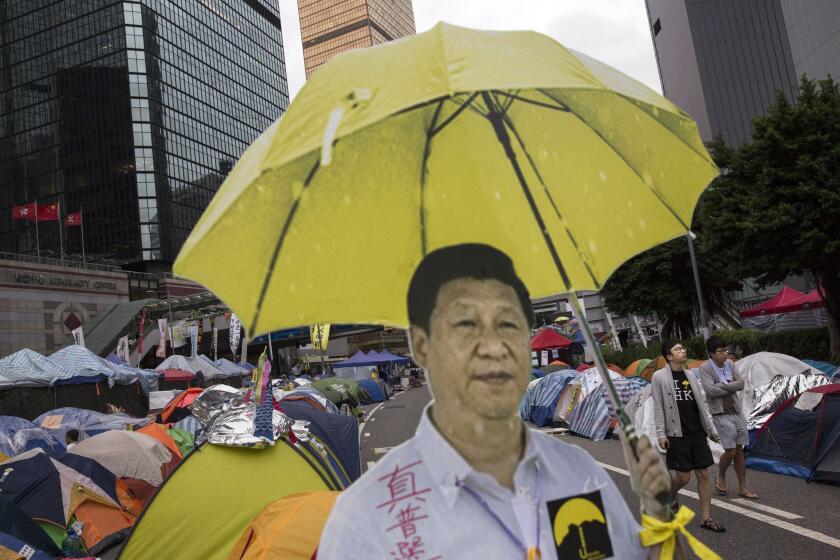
(664, 497)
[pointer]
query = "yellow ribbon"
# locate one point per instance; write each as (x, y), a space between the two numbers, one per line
(665, 532)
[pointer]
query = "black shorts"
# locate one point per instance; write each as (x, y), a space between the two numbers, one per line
(686, 454)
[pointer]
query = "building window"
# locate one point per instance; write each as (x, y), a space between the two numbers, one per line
(657, 27)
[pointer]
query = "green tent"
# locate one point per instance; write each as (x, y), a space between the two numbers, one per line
(202, 508)
(341, 391)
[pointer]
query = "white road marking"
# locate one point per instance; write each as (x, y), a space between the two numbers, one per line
(766, 509)
(367, 434)
(815, 535)
(381, 450)
(369, 416)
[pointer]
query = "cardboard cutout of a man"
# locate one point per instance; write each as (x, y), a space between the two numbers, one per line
(474, 482)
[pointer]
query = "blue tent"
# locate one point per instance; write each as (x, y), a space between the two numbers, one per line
(830, 370)
(387, 357)
(356, 360)
(373, 389)
(88, 422)
(338, 431)
(16, 524)
(541, 398)
(15, 544)
(18, 435)
(35, 482)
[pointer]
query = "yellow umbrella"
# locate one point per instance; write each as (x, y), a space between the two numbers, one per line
(450, 136)
(560, 319)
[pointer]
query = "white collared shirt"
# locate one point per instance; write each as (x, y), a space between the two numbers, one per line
(408, 506)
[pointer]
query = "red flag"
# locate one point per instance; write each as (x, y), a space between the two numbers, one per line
(47, 212)
(74, 219)
(25, 212)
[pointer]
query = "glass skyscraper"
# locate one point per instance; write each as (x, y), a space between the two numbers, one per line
(133, 112)
(330, 27)
(723, 61)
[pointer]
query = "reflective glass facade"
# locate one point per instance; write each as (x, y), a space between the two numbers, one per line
(330, 27)
(722, 61)
(133, 111)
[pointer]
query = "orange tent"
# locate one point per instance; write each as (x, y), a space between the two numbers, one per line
(289, 528)
(158, 431)
(184, 399)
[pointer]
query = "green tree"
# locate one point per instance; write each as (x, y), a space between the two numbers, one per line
(777, 212)
(661, 281)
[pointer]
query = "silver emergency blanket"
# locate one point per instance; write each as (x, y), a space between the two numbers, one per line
(228, 420)
(768, 398)
(211, 402)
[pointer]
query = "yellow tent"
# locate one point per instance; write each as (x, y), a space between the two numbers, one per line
(289, 528)
(202, 508)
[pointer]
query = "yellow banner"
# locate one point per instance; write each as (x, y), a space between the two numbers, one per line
(320, 335)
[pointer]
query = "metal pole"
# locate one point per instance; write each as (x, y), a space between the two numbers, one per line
(641, 331)
(60, 234)
(704, 319)
(37, 238)
(82, 217)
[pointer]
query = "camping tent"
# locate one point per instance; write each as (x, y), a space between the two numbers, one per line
(310, 392)
(829, 370)
(768, 398)
(127, 454)
(18, 435)
(640, 368)
(758, 369)
(540, 400)
(803, 437)
(595, 415)
(54, 489)
(204, 506)
(340, 391)
(788, 309)
(289, 528)
(338, 431)
(17, 524)
(88, 422)
(177, 408)
(372, 388)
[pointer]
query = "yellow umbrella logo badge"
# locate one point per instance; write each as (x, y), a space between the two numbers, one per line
(580, 527)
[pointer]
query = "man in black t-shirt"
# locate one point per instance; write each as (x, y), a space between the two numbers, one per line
(683, 423)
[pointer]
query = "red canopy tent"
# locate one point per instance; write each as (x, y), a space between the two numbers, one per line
(785, 301)
(548, 339)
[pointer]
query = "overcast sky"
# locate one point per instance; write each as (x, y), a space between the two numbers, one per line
(613, 31)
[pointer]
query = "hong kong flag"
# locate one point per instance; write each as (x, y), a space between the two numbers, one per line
(74, 219)
(47, 212)
(25, 212)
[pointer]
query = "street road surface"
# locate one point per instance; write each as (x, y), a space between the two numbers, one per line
(793, 519)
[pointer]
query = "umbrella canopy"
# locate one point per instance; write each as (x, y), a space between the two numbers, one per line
(127, 455)
(415, 132)
(547, 339)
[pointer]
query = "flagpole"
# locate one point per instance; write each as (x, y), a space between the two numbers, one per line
(82, 217)
(60, 234)
(37, 239)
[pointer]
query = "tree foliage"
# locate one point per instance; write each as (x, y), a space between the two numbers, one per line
(778, 210)
(774, 211)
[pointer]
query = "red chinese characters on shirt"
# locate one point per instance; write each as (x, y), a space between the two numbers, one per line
(406, 502)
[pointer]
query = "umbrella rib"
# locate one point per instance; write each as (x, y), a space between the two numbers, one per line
(655, 191)
(464, 105)
(497, 120)
(424, 173)
(509, 121)
(513, 97)
(281, 240)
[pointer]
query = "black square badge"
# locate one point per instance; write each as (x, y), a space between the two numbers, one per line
(580, 528)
